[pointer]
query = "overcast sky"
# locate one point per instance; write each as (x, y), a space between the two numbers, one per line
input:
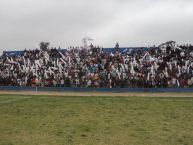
(24, 23)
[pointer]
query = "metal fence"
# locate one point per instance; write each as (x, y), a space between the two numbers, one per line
(115, 90)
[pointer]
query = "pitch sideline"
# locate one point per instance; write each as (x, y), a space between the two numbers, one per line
(14, 100)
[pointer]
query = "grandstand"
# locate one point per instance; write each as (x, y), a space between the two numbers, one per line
(166, 66)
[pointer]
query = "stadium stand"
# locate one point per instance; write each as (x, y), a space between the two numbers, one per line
(166, 66)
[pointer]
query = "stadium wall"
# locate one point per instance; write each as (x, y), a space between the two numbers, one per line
(114, 90)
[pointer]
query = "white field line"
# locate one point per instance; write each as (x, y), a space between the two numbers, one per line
(13, 100)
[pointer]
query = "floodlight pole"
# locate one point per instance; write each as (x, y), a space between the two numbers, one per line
(86, 41)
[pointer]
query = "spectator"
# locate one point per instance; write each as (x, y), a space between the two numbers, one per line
(168, 65)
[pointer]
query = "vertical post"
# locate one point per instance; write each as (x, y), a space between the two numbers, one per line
(36, 89)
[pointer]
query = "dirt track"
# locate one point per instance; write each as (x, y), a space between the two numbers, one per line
(132, 94)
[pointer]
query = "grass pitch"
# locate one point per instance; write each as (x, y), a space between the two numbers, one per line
(49, 120)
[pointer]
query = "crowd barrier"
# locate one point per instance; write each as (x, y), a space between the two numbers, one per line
(115, 90)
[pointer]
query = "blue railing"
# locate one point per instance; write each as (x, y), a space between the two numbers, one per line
(115, 90)
(106, 50)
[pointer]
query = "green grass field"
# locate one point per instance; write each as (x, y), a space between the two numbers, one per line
(49, 120)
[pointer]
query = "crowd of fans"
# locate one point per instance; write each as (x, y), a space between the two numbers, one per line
(168, 65)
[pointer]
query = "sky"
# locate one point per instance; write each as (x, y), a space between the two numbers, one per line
(25, 23)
